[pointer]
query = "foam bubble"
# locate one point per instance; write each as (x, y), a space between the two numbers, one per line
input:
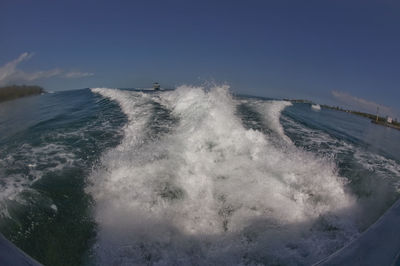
(54, 207)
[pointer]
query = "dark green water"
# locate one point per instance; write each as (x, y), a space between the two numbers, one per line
(49, 145)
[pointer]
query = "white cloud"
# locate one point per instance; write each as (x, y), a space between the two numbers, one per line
(77, 74)
(10, 68)
(361, 104)
(9, 73)
(25, 76)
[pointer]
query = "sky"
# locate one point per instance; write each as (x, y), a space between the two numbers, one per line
(344, 53)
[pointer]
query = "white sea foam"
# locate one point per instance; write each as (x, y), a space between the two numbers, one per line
(271, 111)
(326, 145)
(212, 192)
(373, 178)
(381, 166)
(27, 164)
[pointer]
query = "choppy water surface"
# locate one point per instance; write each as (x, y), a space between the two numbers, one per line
(190, 176)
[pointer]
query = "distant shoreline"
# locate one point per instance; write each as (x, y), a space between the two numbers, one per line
(13, 92)
(392, 125)
(378, 120)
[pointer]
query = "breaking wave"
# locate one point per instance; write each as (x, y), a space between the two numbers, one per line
(271, 113)
(207, 190)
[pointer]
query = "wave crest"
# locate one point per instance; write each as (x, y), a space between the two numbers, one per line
(211, 191)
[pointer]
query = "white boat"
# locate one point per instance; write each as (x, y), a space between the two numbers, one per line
(156, 86)
(316, 107)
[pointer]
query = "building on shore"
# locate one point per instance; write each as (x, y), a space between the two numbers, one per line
(156, 86)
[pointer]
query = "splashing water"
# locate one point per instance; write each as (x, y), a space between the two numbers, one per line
(200, 188)
(191, 176)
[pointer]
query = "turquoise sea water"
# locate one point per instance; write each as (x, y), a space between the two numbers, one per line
(190, 176)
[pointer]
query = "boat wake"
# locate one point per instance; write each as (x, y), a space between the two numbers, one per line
(191, 184)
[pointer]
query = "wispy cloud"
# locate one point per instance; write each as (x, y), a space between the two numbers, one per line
(10, 73)
(361, 104)
(10, 68)
(77, 74)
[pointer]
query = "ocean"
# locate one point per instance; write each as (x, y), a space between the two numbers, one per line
(191, 176)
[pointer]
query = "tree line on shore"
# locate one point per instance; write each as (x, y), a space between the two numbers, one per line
(18, 91)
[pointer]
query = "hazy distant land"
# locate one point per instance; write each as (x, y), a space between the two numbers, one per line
(18, 91)
(376, 119)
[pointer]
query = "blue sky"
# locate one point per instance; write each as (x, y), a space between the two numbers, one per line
(336, 52)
